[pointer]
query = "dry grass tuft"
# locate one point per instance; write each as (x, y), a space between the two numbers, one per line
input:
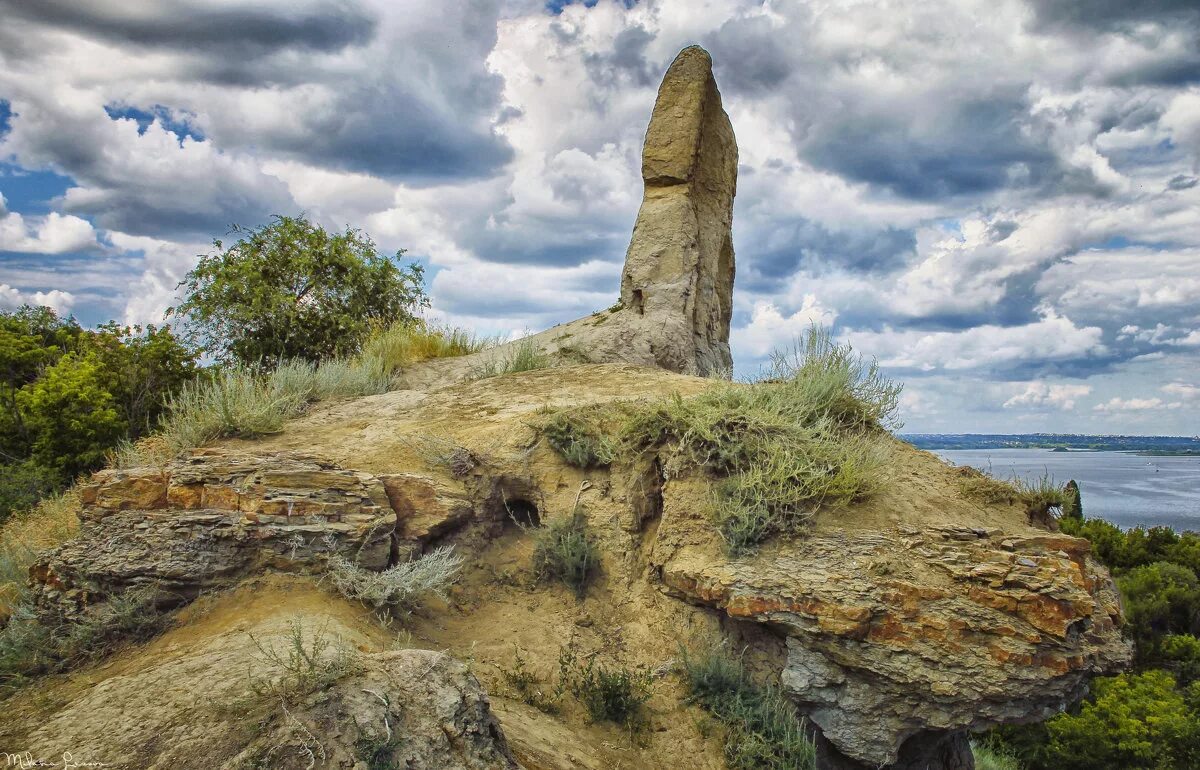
(51, 522)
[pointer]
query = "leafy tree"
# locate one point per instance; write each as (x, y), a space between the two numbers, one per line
(30, 339)
(1180, 653)
(1133, 721)
(291, 289)
(1160, 598)
(72, 415)
(146, 366)
(23, 484)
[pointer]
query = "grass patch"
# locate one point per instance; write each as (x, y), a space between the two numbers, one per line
(403, 344)
(579, 437)
(52, 521)
(522, 356)
(610, 694)
(804, 438)
(29, 647)
(565, 550)
(763, 728)
(1042, 497)
(990, 758)
(398, 588)
(245, 402)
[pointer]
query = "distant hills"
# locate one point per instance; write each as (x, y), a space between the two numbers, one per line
(1159, 445)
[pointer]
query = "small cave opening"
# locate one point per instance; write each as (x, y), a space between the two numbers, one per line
(522, 512)
(637, 302)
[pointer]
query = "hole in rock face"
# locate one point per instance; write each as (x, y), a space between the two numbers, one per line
(637, 301)
(522, 512)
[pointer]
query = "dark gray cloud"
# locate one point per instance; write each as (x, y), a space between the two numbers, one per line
(245, 31)
(1112, 14)
(779, 249)
(974, 146)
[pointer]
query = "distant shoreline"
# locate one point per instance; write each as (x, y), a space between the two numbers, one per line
(1157, 446)
(1150, 445)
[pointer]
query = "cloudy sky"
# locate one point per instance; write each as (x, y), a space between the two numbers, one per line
(999, 199)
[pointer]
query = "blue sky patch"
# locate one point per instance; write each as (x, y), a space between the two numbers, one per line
(31, 192)
(167, 118)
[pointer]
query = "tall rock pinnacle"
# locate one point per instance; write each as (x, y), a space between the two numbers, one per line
(677, 283)
(679, 267)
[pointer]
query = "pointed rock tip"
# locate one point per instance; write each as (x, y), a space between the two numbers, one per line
(694, 58)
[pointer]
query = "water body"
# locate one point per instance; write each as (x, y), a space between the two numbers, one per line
(1125, 488)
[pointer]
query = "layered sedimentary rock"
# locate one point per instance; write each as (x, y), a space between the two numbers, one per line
(214, 516)
(677, 283)
(899, 633)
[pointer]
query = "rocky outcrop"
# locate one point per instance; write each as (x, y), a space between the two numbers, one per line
(897, 624)
(677, 283)
(215, 516)
(406, 708)
(222, 690)
(898, 634)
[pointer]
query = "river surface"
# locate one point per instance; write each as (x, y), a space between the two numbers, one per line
(1125, 488)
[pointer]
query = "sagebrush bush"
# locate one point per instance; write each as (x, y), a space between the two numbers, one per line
(579, 437)
(805, 438)
(1041, 497)
(400, 587)
(307, 663)
(763, 729)
(565, 550)
(246, 402)
(28, 647)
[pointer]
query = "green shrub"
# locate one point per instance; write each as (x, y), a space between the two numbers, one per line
(23, 484)
(523, 356)
(763, 728)
(1160, 598)
(1072, 507)
(989, 758)
(72, 415)
(565, 550)
(530, 687)
(1131, 721)
(1180, 654)
(579, 437)
(616, 694)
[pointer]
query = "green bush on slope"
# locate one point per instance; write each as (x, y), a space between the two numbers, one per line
(763, 729)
